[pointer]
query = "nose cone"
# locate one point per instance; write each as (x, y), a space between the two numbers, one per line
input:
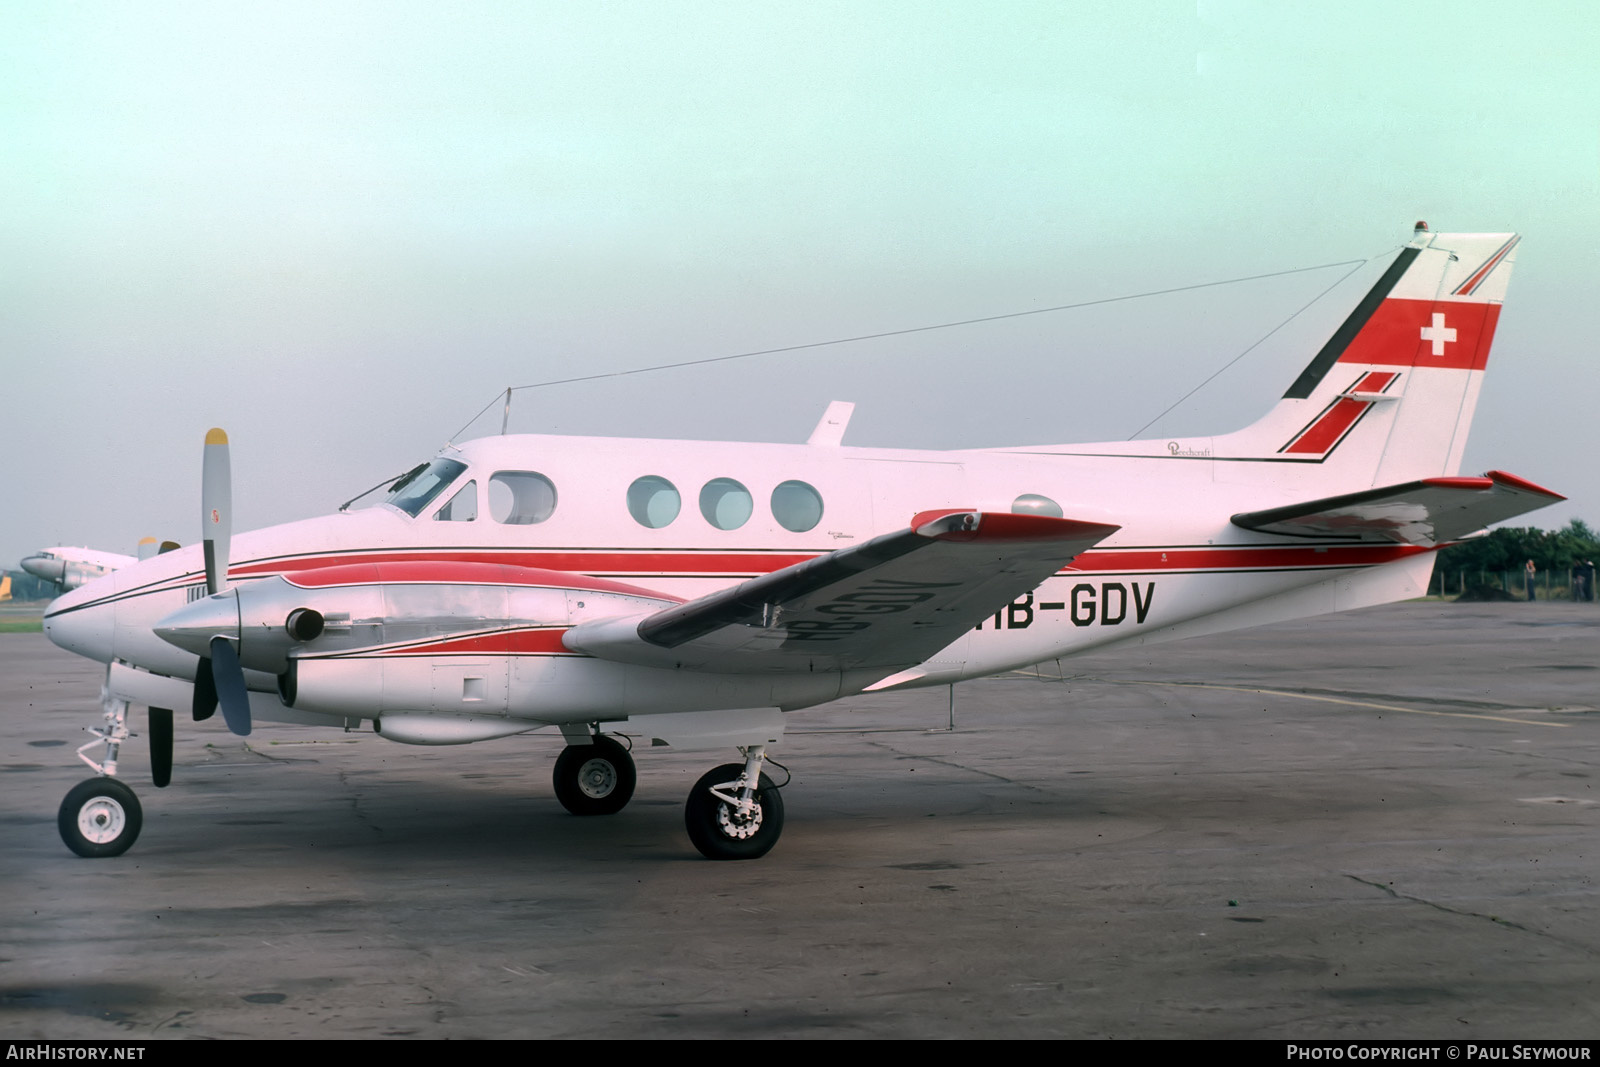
(193, 626)
(45, 567)
(83, 621)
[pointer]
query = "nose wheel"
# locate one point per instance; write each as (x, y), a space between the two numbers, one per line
(595, 779)
(100, 817)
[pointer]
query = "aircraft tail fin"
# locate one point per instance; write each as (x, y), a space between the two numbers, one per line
(1390, 396)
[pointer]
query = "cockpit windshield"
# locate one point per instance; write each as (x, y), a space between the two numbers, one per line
(414, 490)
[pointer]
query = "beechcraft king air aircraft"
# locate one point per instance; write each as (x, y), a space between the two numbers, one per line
(698, 592)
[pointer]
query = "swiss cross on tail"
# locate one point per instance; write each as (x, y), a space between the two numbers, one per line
(1452, 335)
(1438, 333)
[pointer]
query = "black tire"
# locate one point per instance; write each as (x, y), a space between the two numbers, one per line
(100, 817)
(594, 779)
(712, 828)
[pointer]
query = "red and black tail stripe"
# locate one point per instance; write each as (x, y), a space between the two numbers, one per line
(1333, 424)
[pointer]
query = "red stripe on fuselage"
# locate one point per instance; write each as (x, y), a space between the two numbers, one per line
(608, 561)
(678, 564)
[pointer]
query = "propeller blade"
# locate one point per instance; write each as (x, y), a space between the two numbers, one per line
(148, 548)
(228, 677)
(216, 509)
(205, 691)
(161, 746)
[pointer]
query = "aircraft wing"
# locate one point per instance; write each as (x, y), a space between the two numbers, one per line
(1429, 512)
(888, 603)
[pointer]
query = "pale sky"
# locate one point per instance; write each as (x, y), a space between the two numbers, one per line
(339, 229)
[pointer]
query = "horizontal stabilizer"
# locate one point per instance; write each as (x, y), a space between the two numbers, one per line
(1429, 512)
(885, 604)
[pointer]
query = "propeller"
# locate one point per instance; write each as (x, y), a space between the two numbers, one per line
(216, 509)
(218, 677)
(228, 677)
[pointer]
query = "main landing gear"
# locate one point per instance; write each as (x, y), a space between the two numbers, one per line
(596, 778)
(734, 812)
(101, 816)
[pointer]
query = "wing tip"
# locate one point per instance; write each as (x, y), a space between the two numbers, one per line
(1511, 481)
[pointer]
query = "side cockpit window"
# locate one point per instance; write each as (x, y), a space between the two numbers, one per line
(463, 507)
(419, 486)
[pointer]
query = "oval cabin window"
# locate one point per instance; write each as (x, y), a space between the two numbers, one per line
(653, 501)
(796, 506)
(726, 504)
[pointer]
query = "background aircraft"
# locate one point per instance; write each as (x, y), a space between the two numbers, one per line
(70, 567)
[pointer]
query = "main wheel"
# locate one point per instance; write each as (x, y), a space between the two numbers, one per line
(716, 829)
(595, 779)
(100, 817)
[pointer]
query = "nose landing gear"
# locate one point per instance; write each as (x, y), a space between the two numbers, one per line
(101, 817)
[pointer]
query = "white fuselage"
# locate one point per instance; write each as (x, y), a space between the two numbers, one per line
(1176, 567)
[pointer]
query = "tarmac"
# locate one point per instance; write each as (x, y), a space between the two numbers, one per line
(1374, 825)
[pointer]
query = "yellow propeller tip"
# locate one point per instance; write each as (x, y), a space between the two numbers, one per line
(216, 436)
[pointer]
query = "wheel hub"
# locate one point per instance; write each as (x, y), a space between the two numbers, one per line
(101, 820)
(597, 778)
(733, 826)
